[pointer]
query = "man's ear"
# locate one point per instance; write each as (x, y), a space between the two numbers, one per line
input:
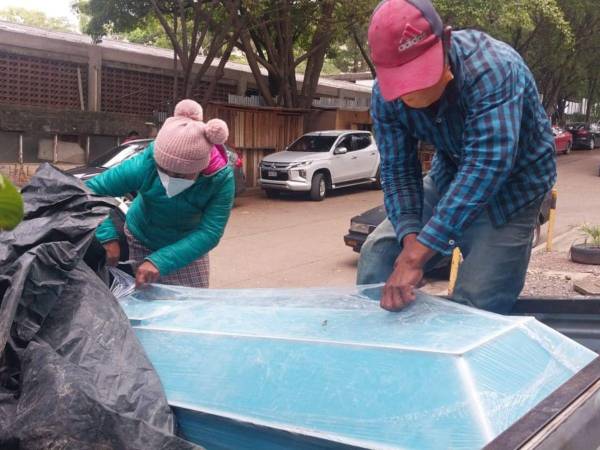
(446, 37)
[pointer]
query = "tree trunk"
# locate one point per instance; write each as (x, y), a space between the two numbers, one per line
(591, 96)
(175, 70)
(320, 43)
(364, 53)
(218, 72)
(246, 46)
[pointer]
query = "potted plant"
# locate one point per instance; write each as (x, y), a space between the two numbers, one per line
(589, 251)
(11, 205)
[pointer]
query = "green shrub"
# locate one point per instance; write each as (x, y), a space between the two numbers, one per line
(11, 205)
(592, 234)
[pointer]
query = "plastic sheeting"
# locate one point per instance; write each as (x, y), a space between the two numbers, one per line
(320, 368)
(72, 373)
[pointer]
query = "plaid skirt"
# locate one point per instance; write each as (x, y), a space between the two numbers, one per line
(194, 274)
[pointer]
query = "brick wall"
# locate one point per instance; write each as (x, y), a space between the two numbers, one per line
(31, 81)
(137, 92)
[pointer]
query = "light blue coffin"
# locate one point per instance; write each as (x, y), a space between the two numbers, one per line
(285, 369)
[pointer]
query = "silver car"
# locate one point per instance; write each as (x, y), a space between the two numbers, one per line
(321, 161)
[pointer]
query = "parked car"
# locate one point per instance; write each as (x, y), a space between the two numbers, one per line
(125, 151)
(362, 226)
(563, 140)
(319, 162)
(585, 136)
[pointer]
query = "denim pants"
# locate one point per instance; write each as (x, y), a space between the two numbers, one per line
(492, 274)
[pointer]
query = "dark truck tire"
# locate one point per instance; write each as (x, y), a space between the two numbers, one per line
(377, 184)
(318, 189)
(585, 254)
(537, 233)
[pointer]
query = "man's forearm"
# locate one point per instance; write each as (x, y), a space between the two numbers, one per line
(414, 252)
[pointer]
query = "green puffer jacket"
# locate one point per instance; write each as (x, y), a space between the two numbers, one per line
(179, 229)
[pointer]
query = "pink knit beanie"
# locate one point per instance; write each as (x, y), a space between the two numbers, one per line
(184, 143)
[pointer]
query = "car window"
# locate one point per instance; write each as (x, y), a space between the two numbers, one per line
(312, 144)
(346, 141)
(126, 153)
(360, 141)
(118, 155)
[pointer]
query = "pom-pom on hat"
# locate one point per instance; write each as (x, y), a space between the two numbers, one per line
(184, 143)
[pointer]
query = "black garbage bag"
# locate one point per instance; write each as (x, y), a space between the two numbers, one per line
(72, 373)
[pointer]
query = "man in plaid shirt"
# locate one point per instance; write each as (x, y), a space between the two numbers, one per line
(476, 101)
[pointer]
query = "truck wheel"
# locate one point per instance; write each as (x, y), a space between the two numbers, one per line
(537, 234)
(377, 183)
(272, 193)
(318, 189)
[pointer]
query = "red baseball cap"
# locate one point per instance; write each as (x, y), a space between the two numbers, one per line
(405, 37)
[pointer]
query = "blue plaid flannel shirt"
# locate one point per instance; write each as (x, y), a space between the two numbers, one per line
(494, 145)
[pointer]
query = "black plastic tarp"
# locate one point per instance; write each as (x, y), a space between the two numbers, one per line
(72, 373)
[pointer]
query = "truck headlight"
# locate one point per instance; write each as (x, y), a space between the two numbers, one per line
(300, 164)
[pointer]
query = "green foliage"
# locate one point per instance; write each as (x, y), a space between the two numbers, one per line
(106, 16)
(11, 205)
(35, 19)
(559, 39)
(592, 233)
(148, 32)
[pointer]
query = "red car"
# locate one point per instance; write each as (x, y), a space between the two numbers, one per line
(563, 140)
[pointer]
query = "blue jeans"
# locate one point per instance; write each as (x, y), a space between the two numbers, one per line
(492, 274)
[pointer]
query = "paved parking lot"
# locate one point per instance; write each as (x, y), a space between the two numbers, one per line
(292, 242)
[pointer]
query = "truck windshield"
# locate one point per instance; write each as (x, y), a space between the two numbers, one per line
(312, 144)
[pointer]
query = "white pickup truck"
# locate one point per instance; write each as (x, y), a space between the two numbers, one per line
(320, 161)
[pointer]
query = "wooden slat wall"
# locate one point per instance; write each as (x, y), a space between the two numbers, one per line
(257, 132)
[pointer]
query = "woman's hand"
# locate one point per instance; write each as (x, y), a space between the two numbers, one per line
(146, 274)
(113, 253)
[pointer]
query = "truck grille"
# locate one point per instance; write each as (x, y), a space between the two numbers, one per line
(268, 175)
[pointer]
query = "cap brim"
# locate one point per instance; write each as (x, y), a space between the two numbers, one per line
(420, 73)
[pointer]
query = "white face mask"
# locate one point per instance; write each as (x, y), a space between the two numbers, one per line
(174, 186)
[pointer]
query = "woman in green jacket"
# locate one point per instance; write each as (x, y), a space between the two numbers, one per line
(185, 191)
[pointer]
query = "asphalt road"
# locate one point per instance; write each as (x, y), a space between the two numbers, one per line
(292, 242)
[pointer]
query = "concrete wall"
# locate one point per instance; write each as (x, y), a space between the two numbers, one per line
(79, 49)
(20, 118)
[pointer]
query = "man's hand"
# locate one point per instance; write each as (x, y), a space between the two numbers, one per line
(113, 253)
(146, 274)
(399, 290)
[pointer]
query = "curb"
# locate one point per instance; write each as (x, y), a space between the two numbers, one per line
(573, 233)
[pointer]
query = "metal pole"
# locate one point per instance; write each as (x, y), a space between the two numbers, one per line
(55, 150)
(21, 177)
(21, 148)
(87, 149)
(80, 87)
(551, 220)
